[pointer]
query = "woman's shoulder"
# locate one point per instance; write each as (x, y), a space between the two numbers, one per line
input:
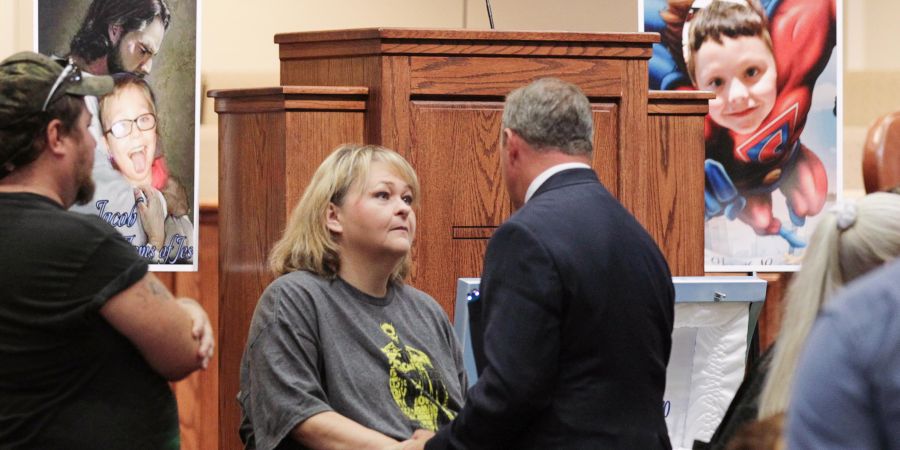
(301, 277)
(295, 288)
(291, 297)
(421, 300)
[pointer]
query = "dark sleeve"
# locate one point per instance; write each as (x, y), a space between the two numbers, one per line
(112, 267)
(521, 295)
(283, 367)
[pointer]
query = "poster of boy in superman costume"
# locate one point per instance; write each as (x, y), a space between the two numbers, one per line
(772, 131)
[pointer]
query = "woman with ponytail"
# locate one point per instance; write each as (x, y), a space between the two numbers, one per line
(854, 239)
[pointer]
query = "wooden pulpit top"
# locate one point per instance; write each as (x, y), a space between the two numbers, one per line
(462, 34)
(387, 41)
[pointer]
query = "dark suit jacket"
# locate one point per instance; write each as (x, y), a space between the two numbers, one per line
(577, 323)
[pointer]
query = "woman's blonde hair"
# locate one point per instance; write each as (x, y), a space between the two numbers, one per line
(307, 243)
(848, 242)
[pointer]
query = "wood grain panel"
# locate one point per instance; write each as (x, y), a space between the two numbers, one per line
(276, 99)
(369, 47)
(773, 309)
(675, 154)
(197, 394)
(279, 103)
(388, 118)
(455, 152)
(634, 168)
(606, 145)
(498, 76)
(328, 49)
(310, 138)
(679, 102)
(348, 43)
(252, 207)
(513, 48)
(303, 91)
(465, 34)
(347, 71)
(463, 232)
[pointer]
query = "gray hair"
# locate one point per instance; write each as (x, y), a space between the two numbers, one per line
(550, 113)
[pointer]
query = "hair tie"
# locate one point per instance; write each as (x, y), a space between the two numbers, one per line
(846, 213)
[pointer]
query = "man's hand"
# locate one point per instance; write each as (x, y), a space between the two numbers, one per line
(201, 330)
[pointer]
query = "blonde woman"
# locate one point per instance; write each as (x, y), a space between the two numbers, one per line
(856, 238)
(341, 353)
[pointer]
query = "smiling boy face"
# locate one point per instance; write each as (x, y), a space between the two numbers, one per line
(741, 72)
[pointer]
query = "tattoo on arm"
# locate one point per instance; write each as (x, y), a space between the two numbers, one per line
(158, 289)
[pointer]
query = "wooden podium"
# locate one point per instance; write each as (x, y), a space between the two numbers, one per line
(436, 97)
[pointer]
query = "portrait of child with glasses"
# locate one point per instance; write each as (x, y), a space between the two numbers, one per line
(130, 130)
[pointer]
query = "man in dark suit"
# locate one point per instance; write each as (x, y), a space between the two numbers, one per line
(577, 299)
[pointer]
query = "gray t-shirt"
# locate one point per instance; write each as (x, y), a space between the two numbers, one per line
(392, 364)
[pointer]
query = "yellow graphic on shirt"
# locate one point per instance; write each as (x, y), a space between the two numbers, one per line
(416, 386)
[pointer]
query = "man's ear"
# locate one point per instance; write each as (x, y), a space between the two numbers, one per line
(332, 219)
(55, 136)
(513, 144)
(115, 33)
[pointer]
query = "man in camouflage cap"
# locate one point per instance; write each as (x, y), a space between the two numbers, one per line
(42, 100)
(88, 338)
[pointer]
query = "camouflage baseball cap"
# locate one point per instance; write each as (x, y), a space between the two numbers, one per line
(30, 81)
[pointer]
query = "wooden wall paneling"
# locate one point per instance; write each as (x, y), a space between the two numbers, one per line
(347, 71)
(385, 99)
(606, 145)
(389, 115)
(454, 149)
(634, 171)
(675, 153)
(773, 309)
(460, 75)
(198, 394)
(679, 235)
(363, 70)
(311, 136)
(252, 207)
(387, 41)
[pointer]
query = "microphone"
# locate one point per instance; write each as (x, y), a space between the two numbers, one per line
(490, 13)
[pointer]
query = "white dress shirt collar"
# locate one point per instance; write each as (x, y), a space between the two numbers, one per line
(540, 179)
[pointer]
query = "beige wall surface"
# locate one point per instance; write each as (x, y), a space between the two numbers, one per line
(237, 48)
